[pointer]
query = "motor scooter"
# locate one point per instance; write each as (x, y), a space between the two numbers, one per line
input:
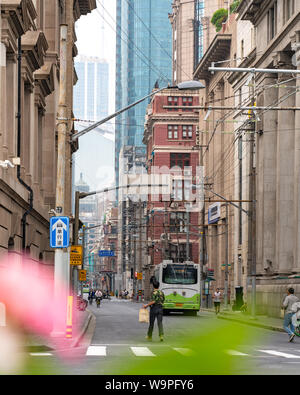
(296, 318)
(98, 302)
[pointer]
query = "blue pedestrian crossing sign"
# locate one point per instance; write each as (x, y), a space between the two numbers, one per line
(59, 232)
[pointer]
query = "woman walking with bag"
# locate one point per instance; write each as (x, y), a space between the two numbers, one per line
(156, 311)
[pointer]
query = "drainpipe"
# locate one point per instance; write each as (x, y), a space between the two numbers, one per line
(23, 221)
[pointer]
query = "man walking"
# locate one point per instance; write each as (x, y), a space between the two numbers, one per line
(217, 300)
(289, 300)
(156, 310)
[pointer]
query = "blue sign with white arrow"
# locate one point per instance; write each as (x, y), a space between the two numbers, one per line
(59, 232)
(103, 253)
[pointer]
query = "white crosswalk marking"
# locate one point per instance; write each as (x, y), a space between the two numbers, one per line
(280, 354)
(99, 351)
(184, 351)
(236, 353)
(142, 352)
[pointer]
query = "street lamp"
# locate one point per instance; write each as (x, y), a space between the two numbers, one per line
(187, 85)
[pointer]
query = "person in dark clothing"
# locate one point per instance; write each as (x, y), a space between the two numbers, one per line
(156, 311)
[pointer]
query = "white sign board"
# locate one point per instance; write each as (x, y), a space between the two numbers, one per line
(214, 213)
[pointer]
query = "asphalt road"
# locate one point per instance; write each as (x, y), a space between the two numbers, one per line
(115, 344)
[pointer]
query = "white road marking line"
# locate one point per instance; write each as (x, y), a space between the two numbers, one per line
(184, 351)
(41, 354)
(280, 354)
(236, 353)
(96, 351)
(142, 352)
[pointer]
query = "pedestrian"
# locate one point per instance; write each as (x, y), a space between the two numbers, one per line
(289, 300)
(156, 311)
(217, 300)
(91, 296)
(116, 293)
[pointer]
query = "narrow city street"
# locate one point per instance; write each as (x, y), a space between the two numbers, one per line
(115, 344)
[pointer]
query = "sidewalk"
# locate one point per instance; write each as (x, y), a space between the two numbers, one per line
(80, 325)
(271, 323)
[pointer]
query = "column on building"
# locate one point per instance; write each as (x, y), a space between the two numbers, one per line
(266, 177)
(296, 267)
(285, 171)
(217, 172)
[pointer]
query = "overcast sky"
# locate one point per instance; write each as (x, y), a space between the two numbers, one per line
(96, 36)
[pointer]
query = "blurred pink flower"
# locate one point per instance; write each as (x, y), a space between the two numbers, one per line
(27, 290)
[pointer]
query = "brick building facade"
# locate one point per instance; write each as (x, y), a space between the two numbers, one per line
(170, 137)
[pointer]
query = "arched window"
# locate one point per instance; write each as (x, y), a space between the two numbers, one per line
(11, 244)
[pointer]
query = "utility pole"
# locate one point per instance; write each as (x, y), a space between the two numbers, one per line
(188, 237)
(61, 269)
(202, 229)
(252, 225)
(226, 258)
(83, 254)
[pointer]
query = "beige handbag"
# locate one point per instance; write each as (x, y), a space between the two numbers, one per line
(282, 312)
(144, 316)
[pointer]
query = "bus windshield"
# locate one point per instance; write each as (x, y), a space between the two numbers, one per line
(179, 274)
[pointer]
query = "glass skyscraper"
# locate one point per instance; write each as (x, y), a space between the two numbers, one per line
(91, 91)
(144, 57)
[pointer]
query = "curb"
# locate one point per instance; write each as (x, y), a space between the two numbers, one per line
(83, 330)
(253, 323)
(226, 316)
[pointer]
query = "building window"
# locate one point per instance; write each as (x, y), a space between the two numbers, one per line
(178, 253)
(181, 190)
(242, 49)
(178, 222)
(172, 132)
(187, 132)
(272, 21)
(187, 102)
(240, 96)
(173, 101)
(288, 9)
(180, 160)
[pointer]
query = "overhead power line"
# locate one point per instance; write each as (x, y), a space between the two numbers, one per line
(142, 57)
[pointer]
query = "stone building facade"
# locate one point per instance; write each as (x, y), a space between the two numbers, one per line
(217, 157)
(183, 24)
(29, 86)
(275, 28)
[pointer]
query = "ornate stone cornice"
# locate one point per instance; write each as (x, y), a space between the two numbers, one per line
(34, 47)
(83, 7)
(44, 82)
(17, 18)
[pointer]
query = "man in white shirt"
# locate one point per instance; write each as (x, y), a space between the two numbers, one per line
(217, 300)
(289, 300)
(98, 294)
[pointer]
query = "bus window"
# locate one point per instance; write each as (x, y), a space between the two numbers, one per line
(179, 274)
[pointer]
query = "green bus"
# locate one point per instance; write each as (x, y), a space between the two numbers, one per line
(180, 283)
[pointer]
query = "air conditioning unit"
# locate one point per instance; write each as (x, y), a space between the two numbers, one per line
(164, 236)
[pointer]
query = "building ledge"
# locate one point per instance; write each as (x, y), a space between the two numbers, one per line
(34, 47)
(83, 7)
(45, 78)
(218, 50)
(21, 12)
(250, 10)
